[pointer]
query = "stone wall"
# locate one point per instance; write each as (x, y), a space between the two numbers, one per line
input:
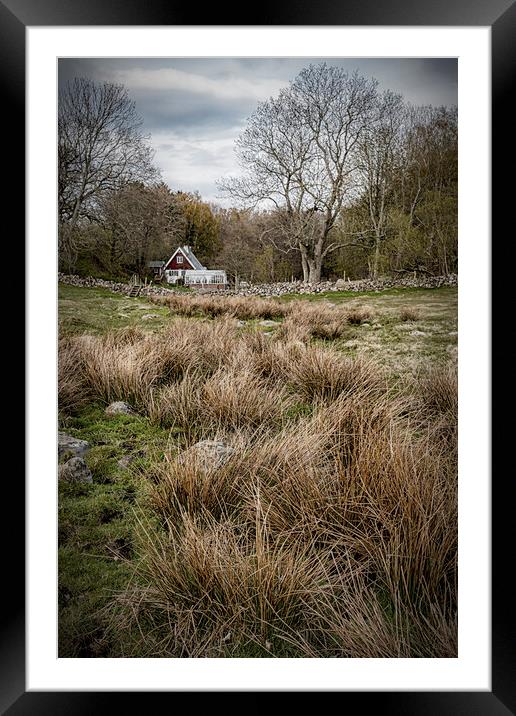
(281, 289)
(91, 282)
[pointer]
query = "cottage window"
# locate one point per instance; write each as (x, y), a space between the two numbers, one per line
(179, 259)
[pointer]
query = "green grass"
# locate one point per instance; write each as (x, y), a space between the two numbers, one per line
(95, 310)
(388, 339)
(97, 526)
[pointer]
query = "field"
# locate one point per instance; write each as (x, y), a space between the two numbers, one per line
(330, 527)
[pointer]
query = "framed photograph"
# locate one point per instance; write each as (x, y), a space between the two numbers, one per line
(247, 328)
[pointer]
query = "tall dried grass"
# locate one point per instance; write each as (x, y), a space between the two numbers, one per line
(330, 531)
(244, 308)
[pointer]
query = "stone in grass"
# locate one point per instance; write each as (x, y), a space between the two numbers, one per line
(75, 470)
(125, 461)
(149, 316)
(66, 444)
(268, 324)
(119, 408)
(417, 333)
(209, 454)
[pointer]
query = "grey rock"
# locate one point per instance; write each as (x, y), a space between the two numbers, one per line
(68, 444)
(149, 316)
(341, 283)
(75, 470)
(125, 461)
(119, 408)
(209, 454)
(268, 324)
(417, 333)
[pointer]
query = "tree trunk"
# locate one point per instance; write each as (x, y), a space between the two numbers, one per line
(304, 263)
(314, 265)
(376, 262)
(312, 261)
(67, 248)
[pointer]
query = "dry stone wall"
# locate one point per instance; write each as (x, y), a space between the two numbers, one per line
(281, 289)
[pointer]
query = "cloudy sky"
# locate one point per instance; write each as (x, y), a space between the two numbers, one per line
(194, 109)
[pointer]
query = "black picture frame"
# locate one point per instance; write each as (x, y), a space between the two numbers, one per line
(500, 15)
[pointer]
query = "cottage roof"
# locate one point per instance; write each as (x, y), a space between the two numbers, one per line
(187, 250)
(189, 254)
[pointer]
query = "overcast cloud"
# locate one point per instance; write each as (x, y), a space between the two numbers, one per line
(194, 109)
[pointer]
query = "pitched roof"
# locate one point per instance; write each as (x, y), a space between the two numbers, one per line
(190, 256)
(187, 250)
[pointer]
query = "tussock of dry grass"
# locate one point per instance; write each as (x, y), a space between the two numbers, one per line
(359, 315)
(227, 399)
(409, 314)
(438, 389)
(330, 531)
(321, 320)
(244, 308)
(73, 391)
(320, 374)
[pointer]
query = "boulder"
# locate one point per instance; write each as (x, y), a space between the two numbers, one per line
(417, 333)
(75, 470)
(119, 408)
(209, 454)
(68, 444)
(268, 324)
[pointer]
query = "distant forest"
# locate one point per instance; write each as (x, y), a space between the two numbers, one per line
(338, 179)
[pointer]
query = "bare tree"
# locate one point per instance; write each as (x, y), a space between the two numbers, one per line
(379, 152)
(299, 153)
(100, 149)
(138, 223)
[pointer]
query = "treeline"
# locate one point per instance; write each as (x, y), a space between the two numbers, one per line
(337, 179)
